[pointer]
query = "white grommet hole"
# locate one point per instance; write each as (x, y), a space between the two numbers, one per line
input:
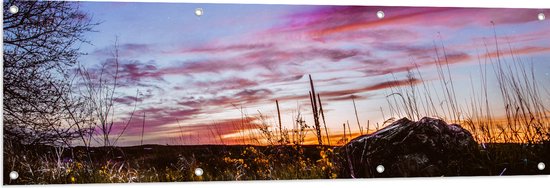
(541, 16)
(198, 171)
(14, 9)
(380, 169)
(541, 166)
(14, 175)
(380, 14)
(199, 12)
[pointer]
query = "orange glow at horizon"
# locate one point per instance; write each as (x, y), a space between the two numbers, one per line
(494, 130)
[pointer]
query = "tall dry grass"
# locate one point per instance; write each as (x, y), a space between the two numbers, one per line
(515, 113)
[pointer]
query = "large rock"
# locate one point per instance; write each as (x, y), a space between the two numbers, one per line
(429, 147)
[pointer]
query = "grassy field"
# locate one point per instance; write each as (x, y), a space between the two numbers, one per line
(154, 163)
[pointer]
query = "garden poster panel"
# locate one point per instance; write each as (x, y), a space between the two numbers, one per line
(120, 92)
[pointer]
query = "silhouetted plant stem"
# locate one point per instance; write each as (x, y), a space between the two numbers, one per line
(356, 116)
(280, 124)
(323, 116)
(315, 111)
(143, 128)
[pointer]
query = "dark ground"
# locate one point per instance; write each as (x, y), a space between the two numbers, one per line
(262, 162)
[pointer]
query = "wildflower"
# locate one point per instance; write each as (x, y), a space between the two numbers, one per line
(79, 165)
(322, 154)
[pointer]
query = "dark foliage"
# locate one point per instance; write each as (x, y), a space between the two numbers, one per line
(40, 46)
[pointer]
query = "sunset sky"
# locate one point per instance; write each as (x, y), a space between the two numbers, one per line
(194, 74)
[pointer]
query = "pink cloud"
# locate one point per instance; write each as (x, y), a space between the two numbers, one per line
(213, 48)
(155, 119)
(347, 98)
(134, 71)
(124, 50)
(127, 100)
(241, 97)
(518, 51)
(353, 92)
(232, 83)
(332, 20)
